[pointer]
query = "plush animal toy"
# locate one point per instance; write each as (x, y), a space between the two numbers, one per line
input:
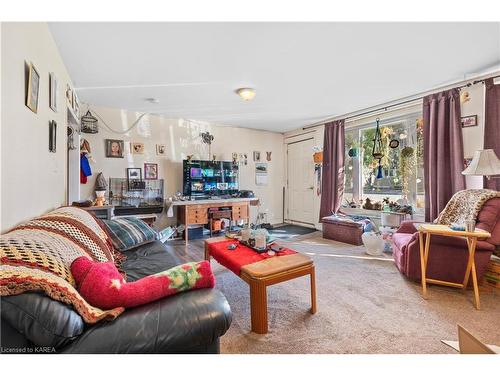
(104, 287)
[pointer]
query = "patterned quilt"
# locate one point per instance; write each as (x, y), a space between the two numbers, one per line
(465, 205)
(37, 255)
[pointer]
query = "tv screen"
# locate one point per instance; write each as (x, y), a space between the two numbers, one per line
(206, 178)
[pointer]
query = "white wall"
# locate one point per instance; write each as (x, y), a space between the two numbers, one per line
(182, 138)
(33, 179)
(473, 137)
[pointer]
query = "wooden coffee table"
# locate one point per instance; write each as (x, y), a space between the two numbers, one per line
(268, 272)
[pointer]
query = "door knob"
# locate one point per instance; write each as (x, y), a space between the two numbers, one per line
(311, 187)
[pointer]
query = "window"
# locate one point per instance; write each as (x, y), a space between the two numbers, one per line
(402, 166)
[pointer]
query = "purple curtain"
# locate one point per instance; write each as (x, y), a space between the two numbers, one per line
(492, 126)
(443, 150)
(332, 185)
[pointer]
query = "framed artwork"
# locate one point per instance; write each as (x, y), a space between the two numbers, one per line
(137, 148)
(69, 96)
(150, 171)
(32, 88)
(52, 136)
(134, 174)
(468, 121)
(76, 105)
(114, 148)
(161, 150)
(53, 92)
(256, 156)
(134, 179)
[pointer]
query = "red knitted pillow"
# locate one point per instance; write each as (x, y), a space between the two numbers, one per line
(103, 286)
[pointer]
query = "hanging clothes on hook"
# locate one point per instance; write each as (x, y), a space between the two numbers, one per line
(85, 169)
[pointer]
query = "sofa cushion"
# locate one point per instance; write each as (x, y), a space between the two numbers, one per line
(169, 325)
(147, 260)
(42, 320)
(129, 232)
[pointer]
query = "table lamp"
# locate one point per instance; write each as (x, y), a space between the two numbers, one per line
(484, 163)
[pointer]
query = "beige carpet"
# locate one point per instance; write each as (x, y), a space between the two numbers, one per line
(364, 306)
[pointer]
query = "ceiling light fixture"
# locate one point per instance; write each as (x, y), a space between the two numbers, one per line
(152, 100)
(246, 93)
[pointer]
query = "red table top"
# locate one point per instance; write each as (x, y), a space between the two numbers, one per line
(241, 256)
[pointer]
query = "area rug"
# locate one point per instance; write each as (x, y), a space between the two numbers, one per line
(290, 231)
(364, 306)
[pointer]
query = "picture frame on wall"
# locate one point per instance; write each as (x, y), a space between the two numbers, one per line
(114, 148)
(256, 156)
(76, 105)
(53, 92)
(134, 179)
(69, 96)
(468, 121)
(150, 171)
(137, 148)
(161, 150)
(52, 136)
(32, 87)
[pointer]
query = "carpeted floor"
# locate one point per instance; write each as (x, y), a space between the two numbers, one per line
(364, 306)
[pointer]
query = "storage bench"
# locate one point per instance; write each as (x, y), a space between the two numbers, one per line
(343, 229)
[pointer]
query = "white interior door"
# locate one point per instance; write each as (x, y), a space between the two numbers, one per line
(301, 181)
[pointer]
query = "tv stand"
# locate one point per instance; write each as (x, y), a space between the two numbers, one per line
(196, 212)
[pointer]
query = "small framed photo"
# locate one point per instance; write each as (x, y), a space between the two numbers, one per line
(134, 174)
(161, 150)
(114, 148)
(32, 88)
(150, 171)
(69, 96)
(136, 148)
(468, 121)
(52, 136)
(256, 156)
(134, 179)
(76, 105)
(53, 92)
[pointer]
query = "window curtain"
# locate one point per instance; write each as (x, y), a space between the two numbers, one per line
(443, 150)
(332, 185)
(492, 126)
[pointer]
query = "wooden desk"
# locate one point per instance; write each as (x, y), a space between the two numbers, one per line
(426, 230)
(196, 212)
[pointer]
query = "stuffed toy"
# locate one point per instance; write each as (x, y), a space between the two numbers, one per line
(102, 285)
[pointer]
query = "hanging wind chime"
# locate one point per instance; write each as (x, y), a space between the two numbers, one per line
(377, 149)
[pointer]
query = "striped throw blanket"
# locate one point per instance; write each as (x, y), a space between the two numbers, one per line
(36, 257)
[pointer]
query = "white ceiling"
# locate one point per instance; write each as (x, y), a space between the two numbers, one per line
(302, 72)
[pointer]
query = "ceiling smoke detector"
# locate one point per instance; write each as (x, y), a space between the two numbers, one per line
(246, 93)
(152, 100)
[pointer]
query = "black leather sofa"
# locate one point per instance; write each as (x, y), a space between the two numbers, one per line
(190, 322)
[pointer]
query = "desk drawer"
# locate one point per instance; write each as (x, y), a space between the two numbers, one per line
(197, 216)
(240, 212)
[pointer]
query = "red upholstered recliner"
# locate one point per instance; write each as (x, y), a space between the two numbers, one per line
(447, 255)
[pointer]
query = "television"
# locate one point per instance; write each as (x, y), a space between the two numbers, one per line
(203, 179)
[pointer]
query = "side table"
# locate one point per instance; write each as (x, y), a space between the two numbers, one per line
(425, 231)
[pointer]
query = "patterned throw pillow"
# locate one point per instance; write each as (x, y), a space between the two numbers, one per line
(128, 232)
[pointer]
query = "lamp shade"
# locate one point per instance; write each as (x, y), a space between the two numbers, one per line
(484, 163)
